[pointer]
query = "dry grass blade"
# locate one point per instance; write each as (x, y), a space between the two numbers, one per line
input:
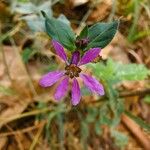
(37, 136)
(136, 131)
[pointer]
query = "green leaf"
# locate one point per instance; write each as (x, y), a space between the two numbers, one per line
(41, 105)
(118, 110)
(91, 115)
(104, 71)
(27, 54)
(84, 33)
(139, 121)
(114, 72)
(98, 129)
(101, 34)
(131, 71)
(120, 139)
(135, 7)
(84, 133)
(6, 91)
(50, 116)
(140, 35)
(104, 116)
(147, 99)
(49, 68)
(60, 123)
(60, 31)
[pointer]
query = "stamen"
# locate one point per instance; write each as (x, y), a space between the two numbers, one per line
(72, 71)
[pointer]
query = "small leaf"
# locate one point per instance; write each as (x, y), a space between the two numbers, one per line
(118, 110)
(114, 72)
(50, 116)
(27, 54)
(61, 32)
(60, 123)
(104, 117)
(104, 71)
(41, 105)
(120, 139)
(84, 131)
(98, 129)
(131, 71)
(6, 91)
(49, 68)
(91, 115)
(84, 33)
(101, 34)
(147, 99)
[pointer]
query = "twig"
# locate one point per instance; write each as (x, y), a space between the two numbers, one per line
(20, 146)
(85, 17)
(112, 14)
(20, 131)
(11, 32)
(19, 116)
(5, 63)
(82, 23)
(27, 114)
(124, 94)
(135, 93)
(37, 137)
(136, 131)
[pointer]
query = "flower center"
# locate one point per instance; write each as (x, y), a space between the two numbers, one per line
(72, 71)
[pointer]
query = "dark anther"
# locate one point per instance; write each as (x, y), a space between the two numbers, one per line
(72, 71)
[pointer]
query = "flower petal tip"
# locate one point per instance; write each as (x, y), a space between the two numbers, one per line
(41, 83)
(89, 56)
(59, 50)
(75, 104)
(93, 84)
(50, 78)
(102, 92)
(57, 98)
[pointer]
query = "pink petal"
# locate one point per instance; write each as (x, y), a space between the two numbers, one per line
(89, 56)
(50, 78)
(76, 94)
(92, 84)
(59, 50)
(75, 57)
(62, 89)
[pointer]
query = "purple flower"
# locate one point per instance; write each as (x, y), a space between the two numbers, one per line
(73, 71)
